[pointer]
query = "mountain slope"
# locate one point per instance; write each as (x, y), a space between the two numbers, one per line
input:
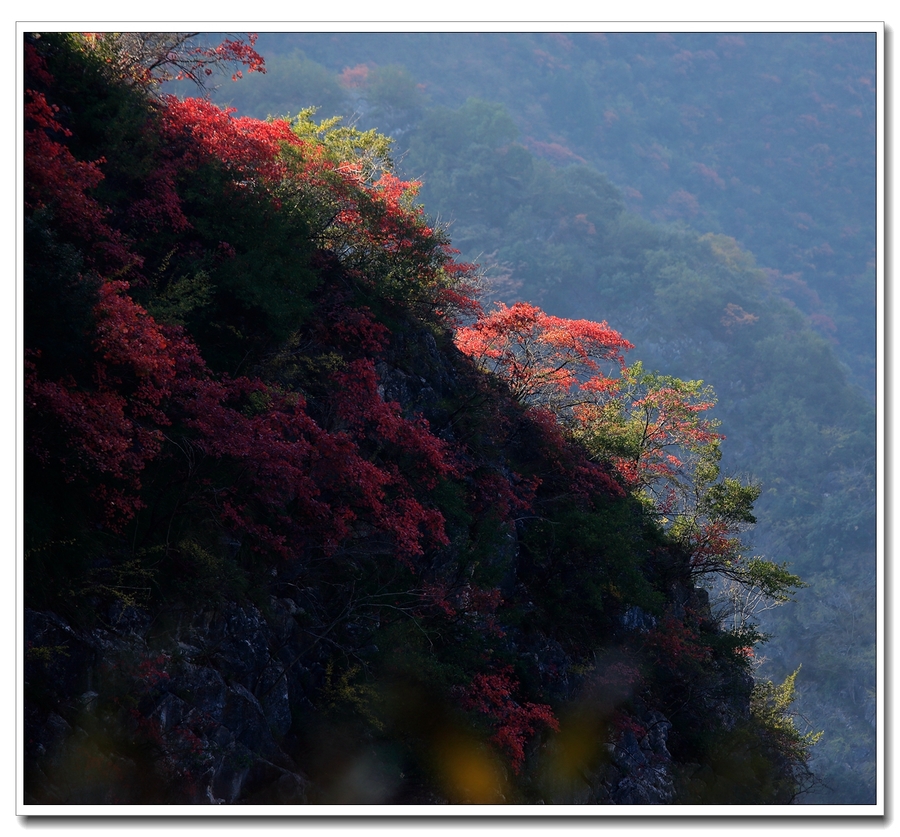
(286, 543)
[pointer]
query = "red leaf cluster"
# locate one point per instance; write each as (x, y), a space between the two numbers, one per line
(113, 429)
(544, 359)
(266, 468)
(514, 723)
(55, 180)
(672, 642)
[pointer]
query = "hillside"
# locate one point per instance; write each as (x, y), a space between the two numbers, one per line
(305, 523)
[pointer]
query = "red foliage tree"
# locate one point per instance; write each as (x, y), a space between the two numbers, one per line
(514, 723)
(547, 361)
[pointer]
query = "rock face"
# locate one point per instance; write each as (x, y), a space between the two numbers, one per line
(210, 716)
(642, 769)
(202, 722)
(210, 723)
(220, 702)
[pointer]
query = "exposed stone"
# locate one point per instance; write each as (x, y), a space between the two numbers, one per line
(636, 619)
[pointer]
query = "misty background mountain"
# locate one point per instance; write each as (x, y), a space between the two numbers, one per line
(711, 196)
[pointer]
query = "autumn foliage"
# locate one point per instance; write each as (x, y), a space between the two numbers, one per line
(221, 394)
(645, 425)
(547, 361)
(514, 723)
(146, 380)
